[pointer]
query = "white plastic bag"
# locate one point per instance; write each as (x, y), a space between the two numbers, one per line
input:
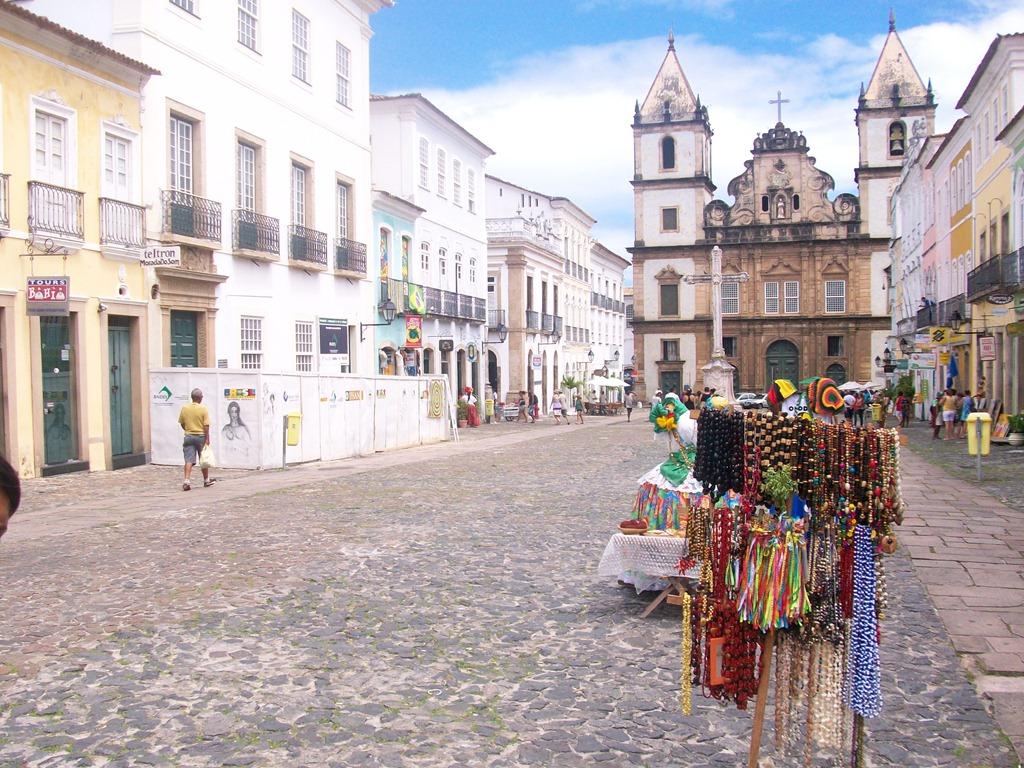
(206, 458)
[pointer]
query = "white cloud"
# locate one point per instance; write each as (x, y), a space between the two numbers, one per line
(560, 122)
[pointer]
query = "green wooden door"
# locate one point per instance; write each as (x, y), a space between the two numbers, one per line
(782, 361)
(59, 408)
(119, 347)
(184, 342)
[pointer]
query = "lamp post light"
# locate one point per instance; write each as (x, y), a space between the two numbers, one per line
(387, 311)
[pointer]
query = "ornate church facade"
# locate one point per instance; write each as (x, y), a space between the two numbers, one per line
(815, 301)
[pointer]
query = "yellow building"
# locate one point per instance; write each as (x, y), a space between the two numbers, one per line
(990, 101)
(72, 294)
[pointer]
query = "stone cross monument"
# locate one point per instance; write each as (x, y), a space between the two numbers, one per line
(718, 373)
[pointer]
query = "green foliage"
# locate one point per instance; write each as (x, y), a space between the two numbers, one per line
(905, 386)
(1017, 422)
(570, 383)
(462, 410)
(779, 486)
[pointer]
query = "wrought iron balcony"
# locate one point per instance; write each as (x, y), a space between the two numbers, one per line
(1013, 269)
(495, 317)
(532, 320)
(191, 216)
(547, 323)
(253, 231)
(558, 325)
(349, 256)
(307, 246)
(985, 278)
(122, 223)
(926, 316)
(55, 210)
(950, 307)
(5, 215)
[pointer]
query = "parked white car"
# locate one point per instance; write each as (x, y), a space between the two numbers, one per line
(751, 400)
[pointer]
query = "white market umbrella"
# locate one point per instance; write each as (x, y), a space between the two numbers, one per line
(850, 386)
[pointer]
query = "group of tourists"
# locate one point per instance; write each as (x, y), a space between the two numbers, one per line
(950, 409)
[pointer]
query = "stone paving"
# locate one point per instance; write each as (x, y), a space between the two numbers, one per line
(967, 543)
(434, 608)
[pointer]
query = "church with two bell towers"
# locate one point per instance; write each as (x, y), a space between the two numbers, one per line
(804, 289)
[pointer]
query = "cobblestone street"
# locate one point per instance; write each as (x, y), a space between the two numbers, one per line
(429, 608)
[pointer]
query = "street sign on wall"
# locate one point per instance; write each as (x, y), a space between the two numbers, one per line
(48, 296)
(987, 348)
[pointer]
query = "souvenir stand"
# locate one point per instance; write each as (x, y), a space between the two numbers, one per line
(791, 570)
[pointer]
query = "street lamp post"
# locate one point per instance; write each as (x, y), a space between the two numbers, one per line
(387, 310)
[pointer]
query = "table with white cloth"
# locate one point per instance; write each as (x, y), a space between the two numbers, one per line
(649, 563)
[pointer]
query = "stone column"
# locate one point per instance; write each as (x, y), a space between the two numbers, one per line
(516, 320)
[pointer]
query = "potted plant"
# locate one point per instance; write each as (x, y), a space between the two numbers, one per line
(1016, 436)
(462, 413)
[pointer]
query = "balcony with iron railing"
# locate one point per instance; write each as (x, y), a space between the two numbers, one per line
(926, 316)
(547, 323)
(5, 215)
(191, 216)
(558, 325)
(55, 211)
(349, 257)
(255, 235)
(122, 225)
(516, 231)
(985, 278)
(495, 318)
(532, 320)
(307, 248)
(437, 302)
(950, 307)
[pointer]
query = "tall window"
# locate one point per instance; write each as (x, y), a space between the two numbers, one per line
(51, 148)
(424, 163)
(835, 295)
(117, 177)
(442, 185)
(181, 154)
(834, 346)
(472, 279)
(303, 346)
(252, 343)
(668, 153)
(343, 191)
(669, 219)
(300, 46)
(730, 346)
(442, 263)
(456, 181)
(186, 5)
(298, 195)
(730, 298)
(343, 63)
(471, 190)
(670, 349)
(458, 267)
(792, 297)
(246, 181)
(248, 14)
(425, 259)
(669, 298)
(771, 298)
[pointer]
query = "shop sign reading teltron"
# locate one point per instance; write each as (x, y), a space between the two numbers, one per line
(162, 256)
(48, 296)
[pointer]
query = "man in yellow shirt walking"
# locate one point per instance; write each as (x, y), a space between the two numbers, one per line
(195, 420)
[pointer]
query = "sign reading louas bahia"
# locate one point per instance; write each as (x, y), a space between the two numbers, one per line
(48, 296)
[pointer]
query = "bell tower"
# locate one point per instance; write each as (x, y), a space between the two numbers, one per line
(671, 160)
(895, 106)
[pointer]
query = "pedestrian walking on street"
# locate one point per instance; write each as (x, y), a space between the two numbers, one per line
(966, 409)
(556, 408)
(578, 405)
(521, 415)
(858, 409)
(194, 419)
(903, 409)
(565, 406)
(949, 413)
(534, 407)
(630, 405)
(936, 415)
(10, 494)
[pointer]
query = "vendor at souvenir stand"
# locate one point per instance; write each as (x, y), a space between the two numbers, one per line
(791, 569)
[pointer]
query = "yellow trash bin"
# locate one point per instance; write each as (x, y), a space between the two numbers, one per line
(876, 412)
(294, 422)
(974, 446)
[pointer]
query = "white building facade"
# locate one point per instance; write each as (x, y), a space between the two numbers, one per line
(257, 169)
(608, 314)
(425, 158)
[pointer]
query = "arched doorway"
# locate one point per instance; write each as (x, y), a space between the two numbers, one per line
(529, 371)
(460, 371)
(782, 361)
(492, 373)
(387, 361)
(545, 392)
(428, 361)
(837, 373)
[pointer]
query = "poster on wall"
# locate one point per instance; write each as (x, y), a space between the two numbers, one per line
(987, 348)
(417, 299)
(385, 247)
(333, 344)
(238, 444)
(406, 245)
(413, 331)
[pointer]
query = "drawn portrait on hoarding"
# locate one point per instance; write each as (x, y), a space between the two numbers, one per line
(235, 429)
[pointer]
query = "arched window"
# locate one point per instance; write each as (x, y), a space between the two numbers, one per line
(442, 262)
(764, 203)
(458, 266)
(796, 202)
(425, 258)
(428, 361)
(668, 153)
(897, 138)
(837, 373)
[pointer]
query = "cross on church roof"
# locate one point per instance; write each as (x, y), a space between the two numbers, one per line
(778, 100)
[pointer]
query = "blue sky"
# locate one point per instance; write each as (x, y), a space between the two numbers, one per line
(551, 85)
